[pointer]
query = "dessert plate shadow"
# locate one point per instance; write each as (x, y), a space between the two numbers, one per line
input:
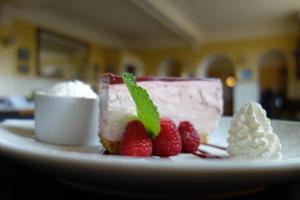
(184, 175)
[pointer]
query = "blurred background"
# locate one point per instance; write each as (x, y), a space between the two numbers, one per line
(252, 46)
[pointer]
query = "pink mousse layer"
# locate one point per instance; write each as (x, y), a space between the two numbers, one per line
(195, 100)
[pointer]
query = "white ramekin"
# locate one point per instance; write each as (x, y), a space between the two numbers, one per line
(66, 120)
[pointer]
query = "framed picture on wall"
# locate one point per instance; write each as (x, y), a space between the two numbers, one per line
(23, 68)
(23, 60)
(246, 74)
(60, 56)
(23, 54)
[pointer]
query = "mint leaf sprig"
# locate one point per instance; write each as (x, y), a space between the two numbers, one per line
(146, 110)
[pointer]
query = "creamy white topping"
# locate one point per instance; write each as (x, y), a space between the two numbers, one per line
(72, 89)
(251, 135)
(118, 118)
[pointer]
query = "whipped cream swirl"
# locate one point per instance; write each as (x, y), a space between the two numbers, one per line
(251, 135)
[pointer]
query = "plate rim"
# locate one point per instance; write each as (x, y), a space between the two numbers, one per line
(196, 166)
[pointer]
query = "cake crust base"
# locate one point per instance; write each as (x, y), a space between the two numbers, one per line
(203, 138)
(111, 146)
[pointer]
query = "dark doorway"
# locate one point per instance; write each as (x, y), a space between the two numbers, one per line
(273, 82)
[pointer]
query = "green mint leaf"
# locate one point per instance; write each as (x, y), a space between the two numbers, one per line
(146, 110)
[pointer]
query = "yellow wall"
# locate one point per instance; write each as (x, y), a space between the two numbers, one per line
(25, 37)
(243, 54)
(152, 58)
(25, 34)
(7, 59)
(96, 57)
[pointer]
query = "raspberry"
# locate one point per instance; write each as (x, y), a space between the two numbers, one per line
(135, 140)
(168, 141)
(190, 138)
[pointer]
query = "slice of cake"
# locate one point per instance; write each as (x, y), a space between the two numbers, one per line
(198, 101)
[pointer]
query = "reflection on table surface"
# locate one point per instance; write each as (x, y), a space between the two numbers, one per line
(19, 181)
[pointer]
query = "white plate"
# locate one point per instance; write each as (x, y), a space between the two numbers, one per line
(185, 175)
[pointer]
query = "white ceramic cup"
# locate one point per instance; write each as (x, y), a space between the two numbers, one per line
(66, 120)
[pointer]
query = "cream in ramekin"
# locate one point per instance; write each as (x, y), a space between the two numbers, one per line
(67, 115)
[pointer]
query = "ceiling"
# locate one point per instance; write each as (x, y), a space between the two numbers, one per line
(230, 19)
(140, 24)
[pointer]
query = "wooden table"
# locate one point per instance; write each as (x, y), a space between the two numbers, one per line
(16, 114)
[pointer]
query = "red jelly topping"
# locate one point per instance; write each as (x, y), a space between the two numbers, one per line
(113, 79)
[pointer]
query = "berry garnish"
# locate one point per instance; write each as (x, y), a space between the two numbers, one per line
(190, 138)
(168, 141)
(135, 140)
